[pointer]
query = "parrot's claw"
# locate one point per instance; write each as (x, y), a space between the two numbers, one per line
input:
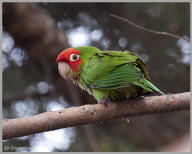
(104, 101)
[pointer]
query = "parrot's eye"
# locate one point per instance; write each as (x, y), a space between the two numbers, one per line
(74, 57)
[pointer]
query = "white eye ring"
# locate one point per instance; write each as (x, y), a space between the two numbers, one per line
(74, 57)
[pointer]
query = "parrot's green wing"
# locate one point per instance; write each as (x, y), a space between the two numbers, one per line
(102, 64)
(120, 77)
(113, 70)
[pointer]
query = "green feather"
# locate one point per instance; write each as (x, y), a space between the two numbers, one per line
(113, 73)
(148, 85)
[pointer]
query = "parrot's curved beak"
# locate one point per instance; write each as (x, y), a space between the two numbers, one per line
(64, 70)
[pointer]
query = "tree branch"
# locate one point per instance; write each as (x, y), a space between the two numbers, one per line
(149, 30)
(86, 114)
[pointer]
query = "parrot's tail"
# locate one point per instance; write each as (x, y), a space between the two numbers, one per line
(147, 85)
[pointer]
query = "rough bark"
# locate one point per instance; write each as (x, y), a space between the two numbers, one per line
(86, 114)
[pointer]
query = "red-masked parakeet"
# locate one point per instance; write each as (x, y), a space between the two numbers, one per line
(107, 75)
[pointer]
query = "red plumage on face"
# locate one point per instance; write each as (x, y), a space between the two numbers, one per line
(67, 55)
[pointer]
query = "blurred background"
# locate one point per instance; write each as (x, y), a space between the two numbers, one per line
(35, 33)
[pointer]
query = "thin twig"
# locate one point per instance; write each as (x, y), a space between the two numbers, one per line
(87, 114)
(149, 30)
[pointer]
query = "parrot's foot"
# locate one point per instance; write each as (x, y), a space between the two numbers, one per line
(104, 101)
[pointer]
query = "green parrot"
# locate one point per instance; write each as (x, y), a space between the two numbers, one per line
(107, 75)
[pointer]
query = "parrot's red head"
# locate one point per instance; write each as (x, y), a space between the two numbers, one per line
(68, 62)
(70, 56)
